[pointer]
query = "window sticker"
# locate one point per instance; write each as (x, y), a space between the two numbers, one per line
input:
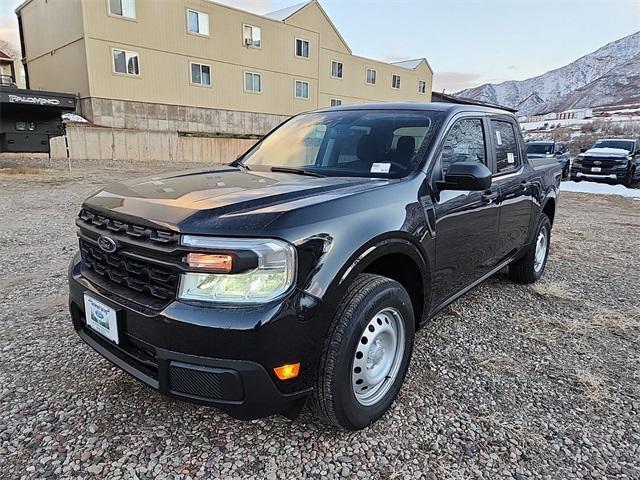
(499, 137)
(380, 168)
(511, 158)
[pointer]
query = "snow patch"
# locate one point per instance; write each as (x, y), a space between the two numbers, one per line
(607, 151)
(599, 189)
(72, 117)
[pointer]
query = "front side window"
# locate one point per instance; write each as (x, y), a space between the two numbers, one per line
(336, 102)
(395, 81)
(336, 69)
(252, 36)
(361, 143)
(125, 62)
(465, 142)
(123, 8)
(200, 74)
(197, 22)
(371, 76)
(252, 82)
(302, 89)
(507, 151)
(422, 86)
(302, 48)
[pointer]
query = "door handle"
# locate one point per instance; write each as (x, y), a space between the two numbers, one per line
(489, 197)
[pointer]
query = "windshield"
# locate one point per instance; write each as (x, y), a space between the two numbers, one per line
(371, 143)
(620, 144)
(540, 148)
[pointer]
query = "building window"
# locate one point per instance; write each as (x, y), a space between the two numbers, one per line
(125, 62)
(336, 102)
(422, 86)
(302, 48)
(302, 89)
(200, 74)
(252, 36)
(197, 22)
(123, 8)
(252, 82)
(336, 69)
(395, 81)
(371, 76)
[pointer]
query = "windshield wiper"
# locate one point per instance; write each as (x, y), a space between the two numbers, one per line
(299, 171)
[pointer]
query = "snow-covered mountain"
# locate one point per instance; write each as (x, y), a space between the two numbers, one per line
(607, 76)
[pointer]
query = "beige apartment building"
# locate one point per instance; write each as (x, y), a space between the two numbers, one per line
(195, 65)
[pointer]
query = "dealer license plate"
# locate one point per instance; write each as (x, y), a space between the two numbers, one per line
(101, 318)
(596, 169)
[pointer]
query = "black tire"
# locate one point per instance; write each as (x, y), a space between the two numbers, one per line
(630, 178)
(524, 269)
(333, 399)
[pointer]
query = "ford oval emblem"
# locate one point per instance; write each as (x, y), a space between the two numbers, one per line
(597, 162)
(107, 244)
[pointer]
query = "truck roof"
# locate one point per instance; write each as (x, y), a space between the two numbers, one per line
(433, 107)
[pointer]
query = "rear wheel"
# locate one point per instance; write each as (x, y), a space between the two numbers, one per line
(530, 267)
(366, 354)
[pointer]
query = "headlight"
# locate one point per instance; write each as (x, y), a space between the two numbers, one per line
(272, 277)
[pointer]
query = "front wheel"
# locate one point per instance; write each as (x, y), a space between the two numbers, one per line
(530, 266)
(630, 178)
(366, 354)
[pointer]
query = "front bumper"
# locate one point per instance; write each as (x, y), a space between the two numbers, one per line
(223, 357)
(612, 174)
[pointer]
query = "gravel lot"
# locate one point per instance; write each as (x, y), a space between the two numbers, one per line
(509, 382)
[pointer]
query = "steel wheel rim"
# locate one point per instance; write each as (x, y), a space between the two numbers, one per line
(378, 356)
(541, 250)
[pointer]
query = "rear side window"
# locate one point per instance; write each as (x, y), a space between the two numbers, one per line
(507, 152)
(464, 143)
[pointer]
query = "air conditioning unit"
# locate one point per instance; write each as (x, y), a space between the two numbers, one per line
(248, 42)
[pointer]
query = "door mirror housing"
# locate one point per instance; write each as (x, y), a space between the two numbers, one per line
(582, 150)
(466, 176)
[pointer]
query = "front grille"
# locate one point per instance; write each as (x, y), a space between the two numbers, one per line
(130, 230)
(589, 162)
(144, 278)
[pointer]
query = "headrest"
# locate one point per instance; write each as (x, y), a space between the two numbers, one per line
(406, 145)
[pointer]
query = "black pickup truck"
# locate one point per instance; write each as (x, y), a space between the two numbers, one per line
(616, 160)
(301, 271)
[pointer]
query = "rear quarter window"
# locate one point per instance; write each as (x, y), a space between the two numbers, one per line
(506, 145)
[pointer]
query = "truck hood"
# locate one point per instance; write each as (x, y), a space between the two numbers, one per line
(607, 152)
(221, 200)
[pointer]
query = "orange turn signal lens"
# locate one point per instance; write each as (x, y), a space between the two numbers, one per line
(211, 262)
(287, 372)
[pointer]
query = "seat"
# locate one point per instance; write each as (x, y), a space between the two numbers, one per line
(405, 148)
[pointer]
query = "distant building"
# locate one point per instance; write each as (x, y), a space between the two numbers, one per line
(10, 68)
(574, 114)
(198, 66)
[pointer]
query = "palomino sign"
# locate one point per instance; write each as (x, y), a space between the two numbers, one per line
(34, 100)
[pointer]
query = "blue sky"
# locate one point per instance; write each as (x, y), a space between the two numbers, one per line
(467, 42)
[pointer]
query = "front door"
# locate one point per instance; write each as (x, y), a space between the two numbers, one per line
(516, 200)
(466, 222)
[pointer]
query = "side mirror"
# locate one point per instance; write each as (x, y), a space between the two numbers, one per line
(582, 150)
(467, 176)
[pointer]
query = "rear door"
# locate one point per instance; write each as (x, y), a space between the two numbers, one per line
(516, 197)
(466, 222)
